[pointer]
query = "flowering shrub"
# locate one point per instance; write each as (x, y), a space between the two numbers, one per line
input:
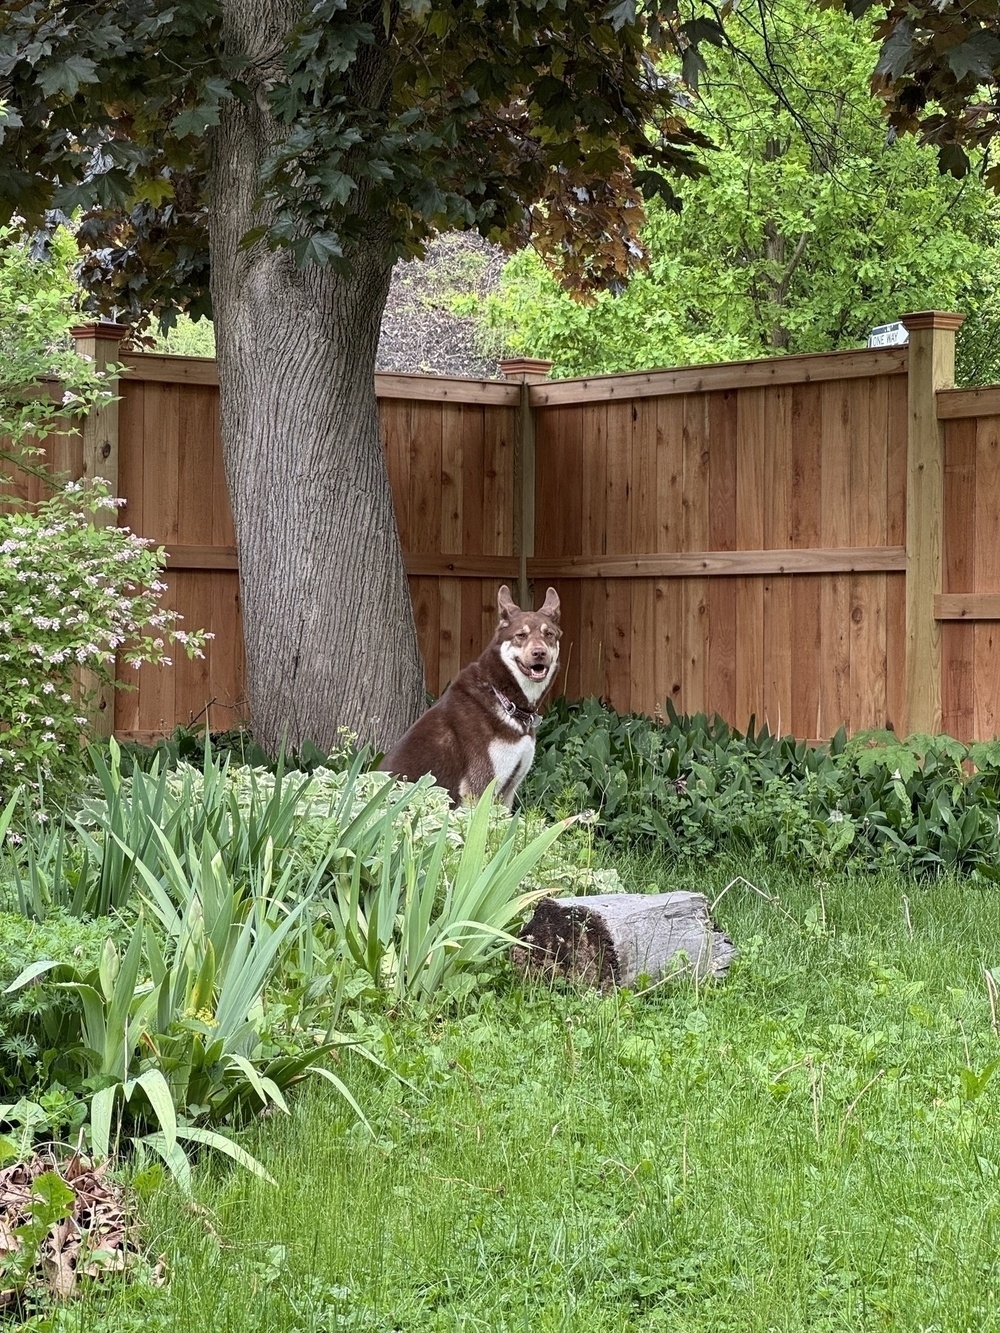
(72, 595)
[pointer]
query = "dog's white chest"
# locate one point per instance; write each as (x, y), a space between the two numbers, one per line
(511, 760)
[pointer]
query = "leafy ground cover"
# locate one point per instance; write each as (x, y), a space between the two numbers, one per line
(811, 1145)
(697, 788)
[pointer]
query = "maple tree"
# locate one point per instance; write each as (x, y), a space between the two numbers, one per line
(939, 75)
(267, 161)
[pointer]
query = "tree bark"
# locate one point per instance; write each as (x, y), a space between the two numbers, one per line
(328, 624)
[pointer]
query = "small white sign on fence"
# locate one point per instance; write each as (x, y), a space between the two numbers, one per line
(889, 335)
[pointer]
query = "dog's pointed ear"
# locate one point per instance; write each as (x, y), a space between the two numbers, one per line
(550, 607)
(506, 606)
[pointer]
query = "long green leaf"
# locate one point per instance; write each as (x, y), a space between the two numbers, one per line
(155, 1086)
(120, 1008)
(31, 973)
(241, 986)
(265, 1088)
(344, 1091)
(175, 1157)
(211, 1139)
(8, 814)
(95, 1027)
(102, 1107)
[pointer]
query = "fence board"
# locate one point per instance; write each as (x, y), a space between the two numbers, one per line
(986, 547)
(722, 471)
(669, 647)
(453, 428)
(642, 537)
(751, 433)
(450, 660)
(721, 594)
(807, 641)
(720, 670)
(811, 368)
(614, 422)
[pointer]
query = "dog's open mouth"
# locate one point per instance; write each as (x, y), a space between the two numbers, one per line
(537, 671)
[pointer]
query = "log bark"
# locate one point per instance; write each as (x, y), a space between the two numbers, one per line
(330, 638)
(619, 939)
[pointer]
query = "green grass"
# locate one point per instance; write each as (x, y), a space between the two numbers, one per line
(790, 1149)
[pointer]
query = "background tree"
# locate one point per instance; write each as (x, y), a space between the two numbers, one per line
(810, 226)
(270, 160)
(37, 310)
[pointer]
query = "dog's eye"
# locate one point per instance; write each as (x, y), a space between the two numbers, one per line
(521, 635)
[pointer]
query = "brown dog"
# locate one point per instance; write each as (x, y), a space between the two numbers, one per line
(483, 726)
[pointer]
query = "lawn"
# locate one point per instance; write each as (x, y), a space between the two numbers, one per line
(812, 1144)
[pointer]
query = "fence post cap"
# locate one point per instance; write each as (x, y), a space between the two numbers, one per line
(100, 328)
(933, 319)
(528, 369)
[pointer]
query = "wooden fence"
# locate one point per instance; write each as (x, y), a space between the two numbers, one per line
(785, 538)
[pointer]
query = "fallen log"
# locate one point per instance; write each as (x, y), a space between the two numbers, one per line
(614, 939)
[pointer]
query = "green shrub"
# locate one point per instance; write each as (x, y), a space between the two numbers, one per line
(37, 310)
(695, 788)
(73, 591)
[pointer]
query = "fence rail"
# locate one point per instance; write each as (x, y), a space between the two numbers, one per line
(811, 540)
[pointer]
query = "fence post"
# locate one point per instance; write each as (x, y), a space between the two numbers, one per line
(525, 370)
(100, 343)
(931, 367)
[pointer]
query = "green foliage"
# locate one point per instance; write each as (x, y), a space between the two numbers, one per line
(426, 919)
(72, 590)
(163, 1061)
(937, 73)
(377, 127)
(187, 338)
(809, 227)
(73, 594)
(30, 1018)
(171, 1038)
(251, 904)
(697, 788)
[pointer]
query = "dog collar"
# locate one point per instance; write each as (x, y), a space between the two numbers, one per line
(525, 716)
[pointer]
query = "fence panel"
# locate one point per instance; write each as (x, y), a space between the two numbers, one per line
(172, 479)
(778, 513)
(969, 607)
(451, 465)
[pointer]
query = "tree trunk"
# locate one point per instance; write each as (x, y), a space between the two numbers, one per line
(328, 624)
